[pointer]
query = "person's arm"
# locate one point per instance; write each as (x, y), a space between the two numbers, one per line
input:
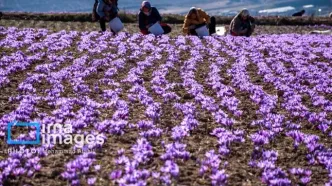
(141, 22)
(155, 13)
(186, 25)
(252, 20)
(205, 16)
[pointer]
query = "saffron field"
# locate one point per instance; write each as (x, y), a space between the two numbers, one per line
(172, 110)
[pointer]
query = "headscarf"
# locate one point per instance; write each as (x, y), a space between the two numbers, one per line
(146, 4)
(193, 9)
(244, 12)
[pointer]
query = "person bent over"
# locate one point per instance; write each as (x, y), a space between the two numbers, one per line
(105, 11)
(242, 24)
(148, 16)
(197, 18)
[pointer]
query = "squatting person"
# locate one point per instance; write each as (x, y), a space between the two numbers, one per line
(148, 16)
(242, 24)
(197, 18)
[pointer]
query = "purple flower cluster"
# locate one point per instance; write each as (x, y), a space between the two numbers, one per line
(142, 151)
(272, 175)
(16, 39)
(225, 138)
(128, 171)
(188, 124)
(14, 63)
(20, 164)
(224, 92)
(76, 168)
(305, 175)
(160, 84)
(170, 169)
(211, 164)
(149, 130)
(175, 151)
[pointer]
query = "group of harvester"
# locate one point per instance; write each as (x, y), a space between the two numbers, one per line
(197, 21)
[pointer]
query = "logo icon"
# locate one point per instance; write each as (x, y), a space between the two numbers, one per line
(23, 142)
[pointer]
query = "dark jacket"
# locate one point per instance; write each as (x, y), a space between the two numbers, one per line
(238, 25)
(144, 20)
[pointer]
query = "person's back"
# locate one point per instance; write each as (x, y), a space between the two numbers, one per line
(201, 17)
